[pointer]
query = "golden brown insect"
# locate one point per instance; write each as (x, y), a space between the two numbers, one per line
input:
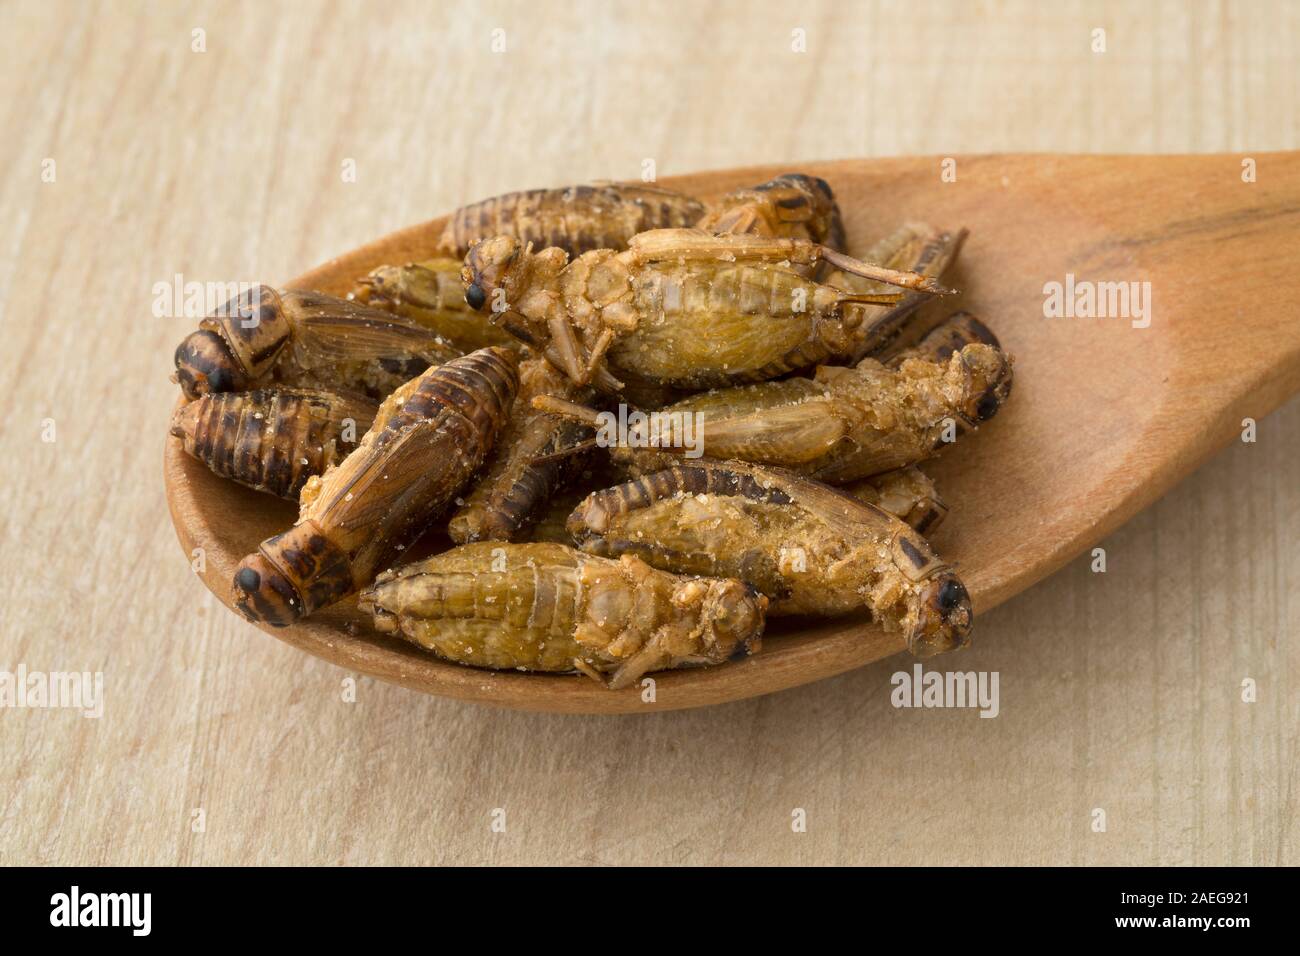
(547, 607)
(431, 294)
(810, 548)
(429, 437)
(525, 469)
(914, 247)
(907, 493)
(291, 337)
(842, 424)
(680, 307)
(793, 206)
(576, 219)
(273, 440)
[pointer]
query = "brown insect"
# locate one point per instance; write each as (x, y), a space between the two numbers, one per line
(907, 493)
(680, 307)
(272, 440)
(547, 607)
(842, 424)
(810, 548)
(428, 438)
(792, 206)
(576, 219)
(526, 469)
(291, 337)
(431, 294)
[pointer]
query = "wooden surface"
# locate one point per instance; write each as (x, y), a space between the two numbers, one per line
(1119, 692)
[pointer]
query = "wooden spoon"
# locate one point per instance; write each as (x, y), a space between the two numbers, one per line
(1104, 418)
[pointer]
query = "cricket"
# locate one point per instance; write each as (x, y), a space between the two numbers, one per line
(608, 430)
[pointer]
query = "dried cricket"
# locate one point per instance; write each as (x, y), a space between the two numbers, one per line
(428, 438)
(791, 206)
(680, 307)
(915, 247)
(547, 607)
(291, 337)
(842, 424)
(907, 493)
(272, 440)
(810, 548)
(526, 469)
(576, 219)
(431, 294)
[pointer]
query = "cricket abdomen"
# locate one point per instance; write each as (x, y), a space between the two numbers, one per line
(577, 219)
(523, 615)
(717, 324)
(272, 440)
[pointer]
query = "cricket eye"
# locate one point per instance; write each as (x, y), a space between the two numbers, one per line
(951, 595)
(988, 406)
(475, 296)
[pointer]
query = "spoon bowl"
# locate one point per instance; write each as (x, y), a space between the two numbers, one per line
(1195, 267)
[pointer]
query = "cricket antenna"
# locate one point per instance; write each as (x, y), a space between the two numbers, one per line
(553, 405)
(567, 451)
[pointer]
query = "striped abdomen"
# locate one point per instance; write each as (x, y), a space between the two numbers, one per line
(593, 516)
(543, 598)
(272, 440)
(429, 437)
(704, 325)
(502, 607)
(476, 391)
(518, 485)
(533, 459)
(608, 523)
(693, 292)
(546, 607)
(575, 218)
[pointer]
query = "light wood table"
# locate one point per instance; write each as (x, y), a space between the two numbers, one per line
(1119, 692)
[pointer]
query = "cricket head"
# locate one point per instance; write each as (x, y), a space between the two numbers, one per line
(205, 364)
(988, 376)
(234, 346)
(944, 617)
(381, 287)
(290, 575)
(265, 594)
(496, 270)
(732, 614)
(416, 284)
(800, 198)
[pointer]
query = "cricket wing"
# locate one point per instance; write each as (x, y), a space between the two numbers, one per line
(683, 245)
(792, 434)
(375, 489)
(329, 332)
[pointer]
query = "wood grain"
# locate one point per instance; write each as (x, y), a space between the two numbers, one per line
(1119, 691)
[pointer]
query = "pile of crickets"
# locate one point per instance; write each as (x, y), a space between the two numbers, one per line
(644, 422)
